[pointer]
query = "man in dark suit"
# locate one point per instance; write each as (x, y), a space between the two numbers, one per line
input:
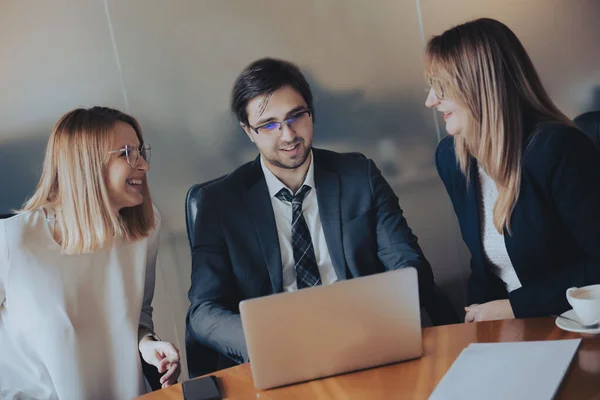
(294, 217)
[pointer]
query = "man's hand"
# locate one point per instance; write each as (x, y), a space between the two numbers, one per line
(493, 310)
(164, 356)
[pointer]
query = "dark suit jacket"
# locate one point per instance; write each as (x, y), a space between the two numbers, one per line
(236, 253)
(555, 241)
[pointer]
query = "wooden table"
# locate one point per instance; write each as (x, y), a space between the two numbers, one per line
(417, 379)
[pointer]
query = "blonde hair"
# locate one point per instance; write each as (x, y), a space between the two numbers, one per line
(73, 182)
(483, 67)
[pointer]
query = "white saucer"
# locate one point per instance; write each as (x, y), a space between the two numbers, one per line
(571, 326)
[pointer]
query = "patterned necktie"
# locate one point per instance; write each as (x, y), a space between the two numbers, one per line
(307, 272)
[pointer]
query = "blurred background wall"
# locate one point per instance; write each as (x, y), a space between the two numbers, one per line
(172, 63)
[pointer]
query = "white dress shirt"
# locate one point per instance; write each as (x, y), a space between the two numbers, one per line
(283, 221)
(493, 243)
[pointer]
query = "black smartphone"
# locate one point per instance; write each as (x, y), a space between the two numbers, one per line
(206, 388)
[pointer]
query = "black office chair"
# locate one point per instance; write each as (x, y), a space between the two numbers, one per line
(150, 372)
(201, 359)
(589, 123)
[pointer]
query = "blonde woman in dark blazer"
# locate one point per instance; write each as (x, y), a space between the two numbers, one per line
(523, 180)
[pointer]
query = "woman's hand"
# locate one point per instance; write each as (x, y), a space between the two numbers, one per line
(164, 356)
(497, 309)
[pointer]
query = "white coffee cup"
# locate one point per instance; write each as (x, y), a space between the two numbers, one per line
(586, 303)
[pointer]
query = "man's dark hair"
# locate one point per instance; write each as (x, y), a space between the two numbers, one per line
(263, 77)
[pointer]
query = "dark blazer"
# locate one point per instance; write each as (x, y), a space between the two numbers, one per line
(236, 253)
(555, 241)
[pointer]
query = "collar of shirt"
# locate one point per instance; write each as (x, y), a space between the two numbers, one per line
(275, 185)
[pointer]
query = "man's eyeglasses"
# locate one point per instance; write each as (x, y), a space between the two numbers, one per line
(297, 122)
(133, 153)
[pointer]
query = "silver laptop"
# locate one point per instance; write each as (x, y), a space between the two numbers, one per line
(327, 330)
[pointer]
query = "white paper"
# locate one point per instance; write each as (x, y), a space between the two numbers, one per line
(500, 371)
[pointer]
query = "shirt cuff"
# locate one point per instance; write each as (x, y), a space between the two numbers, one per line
(144, 331)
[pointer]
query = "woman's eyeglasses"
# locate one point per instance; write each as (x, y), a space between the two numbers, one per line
(133, 153)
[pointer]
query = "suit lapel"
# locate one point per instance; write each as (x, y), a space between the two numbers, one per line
(472, 212)
(258, 201)
(328, 197)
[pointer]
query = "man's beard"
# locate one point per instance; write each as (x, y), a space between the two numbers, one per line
(296, 164)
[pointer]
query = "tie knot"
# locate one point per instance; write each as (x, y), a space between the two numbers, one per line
(285, 195)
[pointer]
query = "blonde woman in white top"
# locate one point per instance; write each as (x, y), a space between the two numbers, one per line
(77, 268)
